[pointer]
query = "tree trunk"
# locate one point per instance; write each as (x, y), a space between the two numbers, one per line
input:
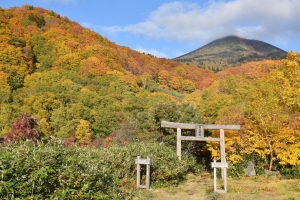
(271, 154)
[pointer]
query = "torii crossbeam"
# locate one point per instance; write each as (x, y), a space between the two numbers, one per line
(199, 136)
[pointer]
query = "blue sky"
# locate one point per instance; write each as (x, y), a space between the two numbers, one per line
(168, 28)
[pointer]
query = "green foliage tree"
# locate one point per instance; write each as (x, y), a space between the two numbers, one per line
(41, 22)
(41, 106)
(188, 86)
(182, 113)
(7, 113)
(212, 100)
(18, 42)
(43, 51)
(63, 122)
(15, 80)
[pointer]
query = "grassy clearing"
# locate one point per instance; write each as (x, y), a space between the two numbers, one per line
(201, 188)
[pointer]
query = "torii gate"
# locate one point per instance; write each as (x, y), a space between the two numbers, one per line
(199, 136)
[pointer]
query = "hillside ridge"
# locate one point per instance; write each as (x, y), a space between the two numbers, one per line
(42, 40)
(231, 51)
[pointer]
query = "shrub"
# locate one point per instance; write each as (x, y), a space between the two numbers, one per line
(22, 129)
(166, 169)
(291, 172)
(53, 171)
(30, 170)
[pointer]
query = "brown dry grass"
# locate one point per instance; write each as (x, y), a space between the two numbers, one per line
(247, 188)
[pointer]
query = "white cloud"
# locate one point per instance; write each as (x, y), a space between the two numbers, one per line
(152, 52)
(191, 22)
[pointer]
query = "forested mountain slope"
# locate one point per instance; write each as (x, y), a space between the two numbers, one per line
(34, 39)
(68, 76)
(86, 89)
(231, 51)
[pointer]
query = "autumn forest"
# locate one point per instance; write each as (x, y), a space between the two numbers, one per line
(86, 90)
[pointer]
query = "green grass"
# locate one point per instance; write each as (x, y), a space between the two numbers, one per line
(201, 188)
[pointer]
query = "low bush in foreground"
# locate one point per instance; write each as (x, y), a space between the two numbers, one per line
(50, 170)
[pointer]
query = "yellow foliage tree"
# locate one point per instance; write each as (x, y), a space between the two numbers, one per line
(290, 153)
(3, 81)
(83, 132)
(45, 127)
(266, 120)
(233, 145)
(290, 88)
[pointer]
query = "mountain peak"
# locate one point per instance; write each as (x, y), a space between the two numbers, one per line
(231, 51)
